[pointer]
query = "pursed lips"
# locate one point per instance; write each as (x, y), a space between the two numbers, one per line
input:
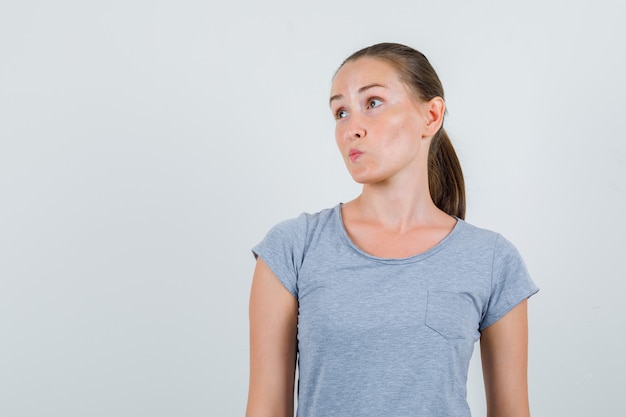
(354, 154)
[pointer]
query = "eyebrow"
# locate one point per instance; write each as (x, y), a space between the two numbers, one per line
(364, 88)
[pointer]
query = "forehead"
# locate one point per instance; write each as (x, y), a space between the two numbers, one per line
(364, 71)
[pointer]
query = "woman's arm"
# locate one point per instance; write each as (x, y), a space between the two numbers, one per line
(504, 353)
(273, 346)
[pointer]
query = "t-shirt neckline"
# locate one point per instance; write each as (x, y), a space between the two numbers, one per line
(412, 258)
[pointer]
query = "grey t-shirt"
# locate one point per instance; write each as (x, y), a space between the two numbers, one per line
(390, 337)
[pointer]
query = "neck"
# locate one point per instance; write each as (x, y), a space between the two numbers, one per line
(399, 206)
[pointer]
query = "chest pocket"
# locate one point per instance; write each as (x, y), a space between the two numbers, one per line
(451, 315)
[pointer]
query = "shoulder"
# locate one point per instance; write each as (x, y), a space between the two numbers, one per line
(295, 234)
(301, 225)
(484, 236)
(476, 238)
(510, 282)
(489, 246)
(285, 246)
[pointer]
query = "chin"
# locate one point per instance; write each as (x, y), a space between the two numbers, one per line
(362, 178)
(365, 174)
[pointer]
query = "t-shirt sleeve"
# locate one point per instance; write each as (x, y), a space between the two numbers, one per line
(282, 250)
(510, 282)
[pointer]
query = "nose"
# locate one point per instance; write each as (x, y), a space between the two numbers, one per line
(356, 129)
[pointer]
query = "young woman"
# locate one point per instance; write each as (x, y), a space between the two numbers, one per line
(380, 300)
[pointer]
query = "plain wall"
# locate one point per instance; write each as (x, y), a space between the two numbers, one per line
(145, 146)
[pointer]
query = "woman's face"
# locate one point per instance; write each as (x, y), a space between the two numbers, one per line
(382, 128)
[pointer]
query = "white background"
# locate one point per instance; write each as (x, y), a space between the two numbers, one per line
(145, 146)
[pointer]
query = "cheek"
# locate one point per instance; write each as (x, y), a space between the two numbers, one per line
(394, 129)
(339, 135)
(409, 128)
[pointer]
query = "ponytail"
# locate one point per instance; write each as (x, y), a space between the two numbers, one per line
(445, 177)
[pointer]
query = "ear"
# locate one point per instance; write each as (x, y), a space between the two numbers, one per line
(434, 110)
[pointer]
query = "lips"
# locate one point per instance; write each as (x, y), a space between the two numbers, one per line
(354, 154)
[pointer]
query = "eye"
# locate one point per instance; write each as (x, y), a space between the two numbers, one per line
(374, 102)
(341, 114)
